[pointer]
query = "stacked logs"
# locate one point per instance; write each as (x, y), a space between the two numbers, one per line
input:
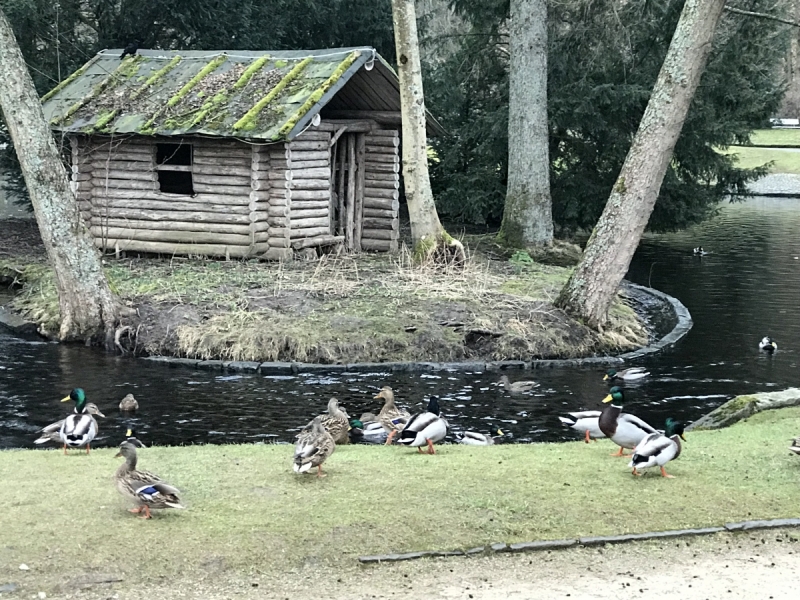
(129, 212)
(380, 224)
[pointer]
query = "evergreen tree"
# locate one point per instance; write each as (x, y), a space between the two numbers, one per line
(603, 61)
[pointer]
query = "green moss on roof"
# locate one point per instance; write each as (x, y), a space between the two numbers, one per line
(156, 76)
(213, 65)
(104, 120)
(68, 80)
(250, 71)
(316, 96)
(248, 121)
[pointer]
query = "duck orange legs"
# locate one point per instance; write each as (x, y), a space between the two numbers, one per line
(389, 439)
(664, 474)
(619, 452)
(430, 448)
(587, 436)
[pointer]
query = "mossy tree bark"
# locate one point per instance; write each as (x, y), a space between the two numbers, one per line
(590, 290)
(88, 311)
(791, 102)
(428, 236)
(528, 215)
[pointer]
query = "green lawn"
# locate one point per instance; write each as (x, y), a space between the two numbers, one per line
(776, 137)
(245, 506)
(784, 161)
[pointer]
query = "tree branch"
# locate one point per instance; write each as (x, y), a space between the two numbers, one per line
(749, 13)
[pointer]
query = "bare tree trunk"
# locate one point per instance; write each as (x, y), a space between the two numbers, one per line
(592, 287)
(791, 102)
(427, 232)
(528, 215)
(87, 307)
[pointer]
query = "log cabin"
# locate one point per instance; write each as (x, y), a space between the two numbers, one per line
(234, 154)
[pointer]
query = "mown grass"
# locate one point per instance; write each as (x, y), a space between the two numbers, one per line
(783, 161)
(247, 511)
(341, 309)
(776, 137)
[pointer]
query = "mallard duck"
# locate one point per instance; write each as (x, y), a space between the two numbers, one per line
(473, 438)
(368, 417)
(146, 489)
(128, 404)
(335, 421)
(78, 429)
(657, 449)
(369, 432)
(585, 421)
(518, 387)
(52, 433)
(699, 251)
(767, 345)
(632, 374)
(625, 430)
(312, 448)
(425, 428)
(392, 419)
(130, 436)
(795, 447)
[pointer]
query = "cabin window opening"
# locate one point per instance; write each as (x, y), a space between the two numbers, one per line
(174, 165)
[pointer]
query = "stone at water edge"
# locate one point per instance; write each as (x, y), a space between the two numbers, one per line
(741, 407)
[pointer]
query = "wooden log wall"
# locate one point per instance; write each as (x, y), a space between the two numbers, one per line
(380, 226)
(300, 177)
(119, 194)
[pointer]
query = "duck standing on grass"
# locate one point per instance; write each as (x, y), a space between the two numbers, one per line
(147, 490)
(625, 430)
(657, 449)
(313, 448)
(392, 419)
(335, 422)
(52, 433)
(586, 421)
(78, 429)
(632, 374)
(425, 428)
(795, 447)
(518, 387)
(767, 345)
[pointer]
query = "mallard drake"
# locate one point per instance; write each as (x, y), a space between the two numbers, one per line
(78, 429)
(312, 448)
(767, 345)
(625, 430)
(392, 419)
(657, 449)
(585, 421)
(795, 447)
(369, 432)
(425, 428)
(128, 404)
(146, 489)
(473, 438)
(52, 433)
(335, 421)
(632, 374)
(517, 387)
(699, 251)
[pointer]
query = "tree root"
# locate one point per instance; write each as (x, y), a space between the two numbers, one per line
(443, 251)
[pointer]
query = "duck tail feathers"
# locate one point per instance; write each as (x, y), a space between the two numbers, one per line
(566, 421)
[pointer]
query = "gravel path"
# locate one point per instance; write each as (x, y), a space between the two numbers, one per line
(756, 566)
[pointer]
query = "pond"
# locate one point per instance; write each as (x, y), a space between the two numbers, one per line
(746, 288)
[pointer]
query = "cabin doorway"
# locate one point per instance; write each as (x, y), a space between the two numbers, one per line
(347, 188)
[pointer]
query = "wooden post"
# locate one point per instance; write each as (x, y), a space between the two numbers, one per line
(359, 190)
(334, 198)
(340, 187)
(351, 193)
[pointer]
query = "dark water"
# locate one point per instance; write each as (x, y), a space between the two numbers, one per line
(747, 288)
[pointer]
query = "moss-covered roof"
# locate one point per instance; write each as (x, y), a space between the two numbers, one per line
(265, 95)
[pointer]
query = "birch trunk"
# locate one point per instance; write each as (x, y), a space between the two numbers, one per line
(528, 215)
(590, 290)
(428, 235)
(791, 102)
(88, 311)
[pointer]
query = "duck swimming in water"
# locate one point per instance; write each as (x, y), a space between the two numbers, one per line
(767, 345)
(632, 374)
